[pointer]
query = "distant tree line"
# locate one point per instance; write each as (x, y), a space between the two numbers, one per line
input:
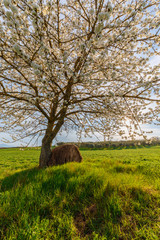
(115, 144)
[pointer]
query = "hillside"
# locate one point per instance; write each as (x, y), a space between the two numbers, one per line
(112, 194)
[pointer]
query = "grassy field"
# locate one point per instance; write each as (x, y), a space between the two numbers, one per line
(112, 194)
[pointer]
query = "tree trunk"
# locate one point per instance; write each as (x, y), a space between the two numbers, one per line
(47, 141)
(45, 152)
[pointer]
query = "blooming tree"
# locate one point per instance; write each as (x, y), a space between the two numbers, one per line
(78, 64)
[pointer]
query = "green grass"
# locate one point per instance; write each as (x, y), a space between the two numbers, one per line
(112, 194)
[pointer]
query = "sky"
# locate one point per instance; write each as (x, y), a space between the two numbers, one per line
(71, 137)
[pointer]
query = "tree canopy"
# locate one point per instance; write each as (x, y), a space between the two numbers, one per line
(78, 64)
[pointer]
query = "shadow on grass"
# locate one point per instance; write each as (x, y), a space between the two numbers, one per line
(22, 177)
(49, 180)
(66, 195)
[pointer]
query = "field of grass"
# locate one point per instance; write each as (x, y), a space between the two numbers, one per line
(112, 194)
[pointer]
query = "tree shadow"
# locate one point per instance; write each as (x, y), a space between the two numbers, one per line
(51, 178)
(22, 177)
(71, 189)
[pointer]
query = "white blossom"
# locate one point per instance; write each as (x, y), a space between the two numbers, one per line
(99, 28)
(9, 23)
(17, 48)
(109, 7)
(100, 16)
(106, 15)
(35, 6)
(14, 9)
(6, 3)
(91, 11)
(9, 14)
(36, 71)
(35, 65)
